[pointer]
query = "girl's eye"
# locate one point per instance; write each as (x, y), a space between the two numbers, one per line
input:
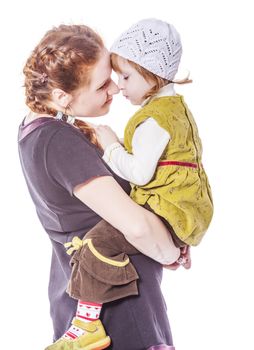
(125, 78)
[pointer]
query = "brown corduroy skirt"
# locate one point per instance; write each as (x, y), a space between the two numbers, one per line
(94, 275)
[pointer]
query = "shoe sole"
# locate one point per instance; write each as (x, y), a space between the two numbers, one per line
(99, 345)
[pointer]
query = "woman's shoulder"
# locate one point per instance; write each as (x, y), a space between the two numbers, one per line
(66, 136)
(49, 134)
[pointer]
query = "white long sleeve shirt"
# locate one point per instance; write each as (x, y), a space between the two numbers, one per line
(148, 143)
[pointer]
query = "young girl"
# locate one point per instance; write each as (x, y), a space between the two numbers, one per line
(162, 150)
(161, 157)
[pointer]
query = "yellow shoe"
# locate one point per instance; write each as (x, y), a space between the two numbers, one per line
(94, 338)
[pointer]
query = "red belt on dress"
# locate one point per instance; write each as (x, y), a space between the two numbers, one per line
(173, 162)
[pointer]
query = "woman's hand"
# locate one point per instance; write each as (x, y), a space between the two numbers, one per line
(105, 135)
(184, 260)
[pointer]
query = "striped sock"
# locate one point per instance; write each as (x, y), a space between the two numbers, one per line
(86, 312)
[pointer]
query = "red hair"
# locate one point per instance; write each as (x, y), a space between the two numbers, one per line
(63, 59)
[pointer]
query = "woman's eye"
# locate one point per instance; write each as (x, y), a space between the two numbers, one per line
(125, 78)
(104, 86)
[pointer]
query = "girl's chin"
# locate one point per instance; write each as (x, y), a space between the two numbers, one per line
(135, 103)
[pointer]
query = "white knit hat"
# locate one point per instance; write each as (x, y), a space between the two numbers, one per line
(153, 44)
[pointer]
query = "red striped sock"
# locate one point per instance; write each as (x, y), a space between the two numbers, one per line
(86, 312)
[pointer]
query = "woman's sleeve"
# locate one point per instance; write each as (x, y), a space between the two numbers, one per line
(72, 160)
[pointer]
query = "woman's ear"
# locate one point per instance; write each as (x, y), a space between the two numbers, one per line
(60, 98)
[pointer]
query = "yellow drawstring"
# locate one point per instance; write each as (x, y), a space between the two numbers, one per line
(77, 243)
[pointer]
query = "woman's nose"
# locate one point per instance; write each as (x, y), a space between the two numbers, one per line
(113, 88)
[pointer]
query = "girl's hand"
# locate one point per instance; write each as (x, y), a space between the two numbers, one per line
(185, 257)
(105, 135)
(184, 260)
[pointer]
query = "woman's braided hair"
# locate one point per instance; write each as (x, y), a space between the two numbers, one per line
(62, 59)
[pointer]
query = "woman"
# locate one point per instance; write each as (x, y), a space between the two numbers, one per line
(72, 188)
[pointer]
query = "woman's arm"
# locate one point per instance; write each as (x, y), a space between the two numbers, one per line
(143, 229)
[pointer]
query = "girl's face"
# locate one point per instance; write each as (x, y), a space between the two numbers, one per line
(94, 100)
(133, 86)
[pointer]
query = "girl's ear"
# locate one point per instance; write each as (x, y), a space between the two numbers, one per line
(60, 98)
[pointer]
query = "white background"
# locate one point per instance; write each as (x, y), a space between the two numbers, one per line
(210, 306)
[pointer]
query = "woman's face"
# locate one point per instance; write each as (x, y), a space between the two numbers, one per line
(94, 100)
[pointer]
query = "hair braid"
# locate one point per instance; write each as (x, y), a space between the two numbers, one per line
(88, 131)
(61, 60)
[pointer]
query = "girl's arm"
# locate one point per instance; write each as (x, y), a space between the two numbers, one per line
(143, 229)
(148, 143)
